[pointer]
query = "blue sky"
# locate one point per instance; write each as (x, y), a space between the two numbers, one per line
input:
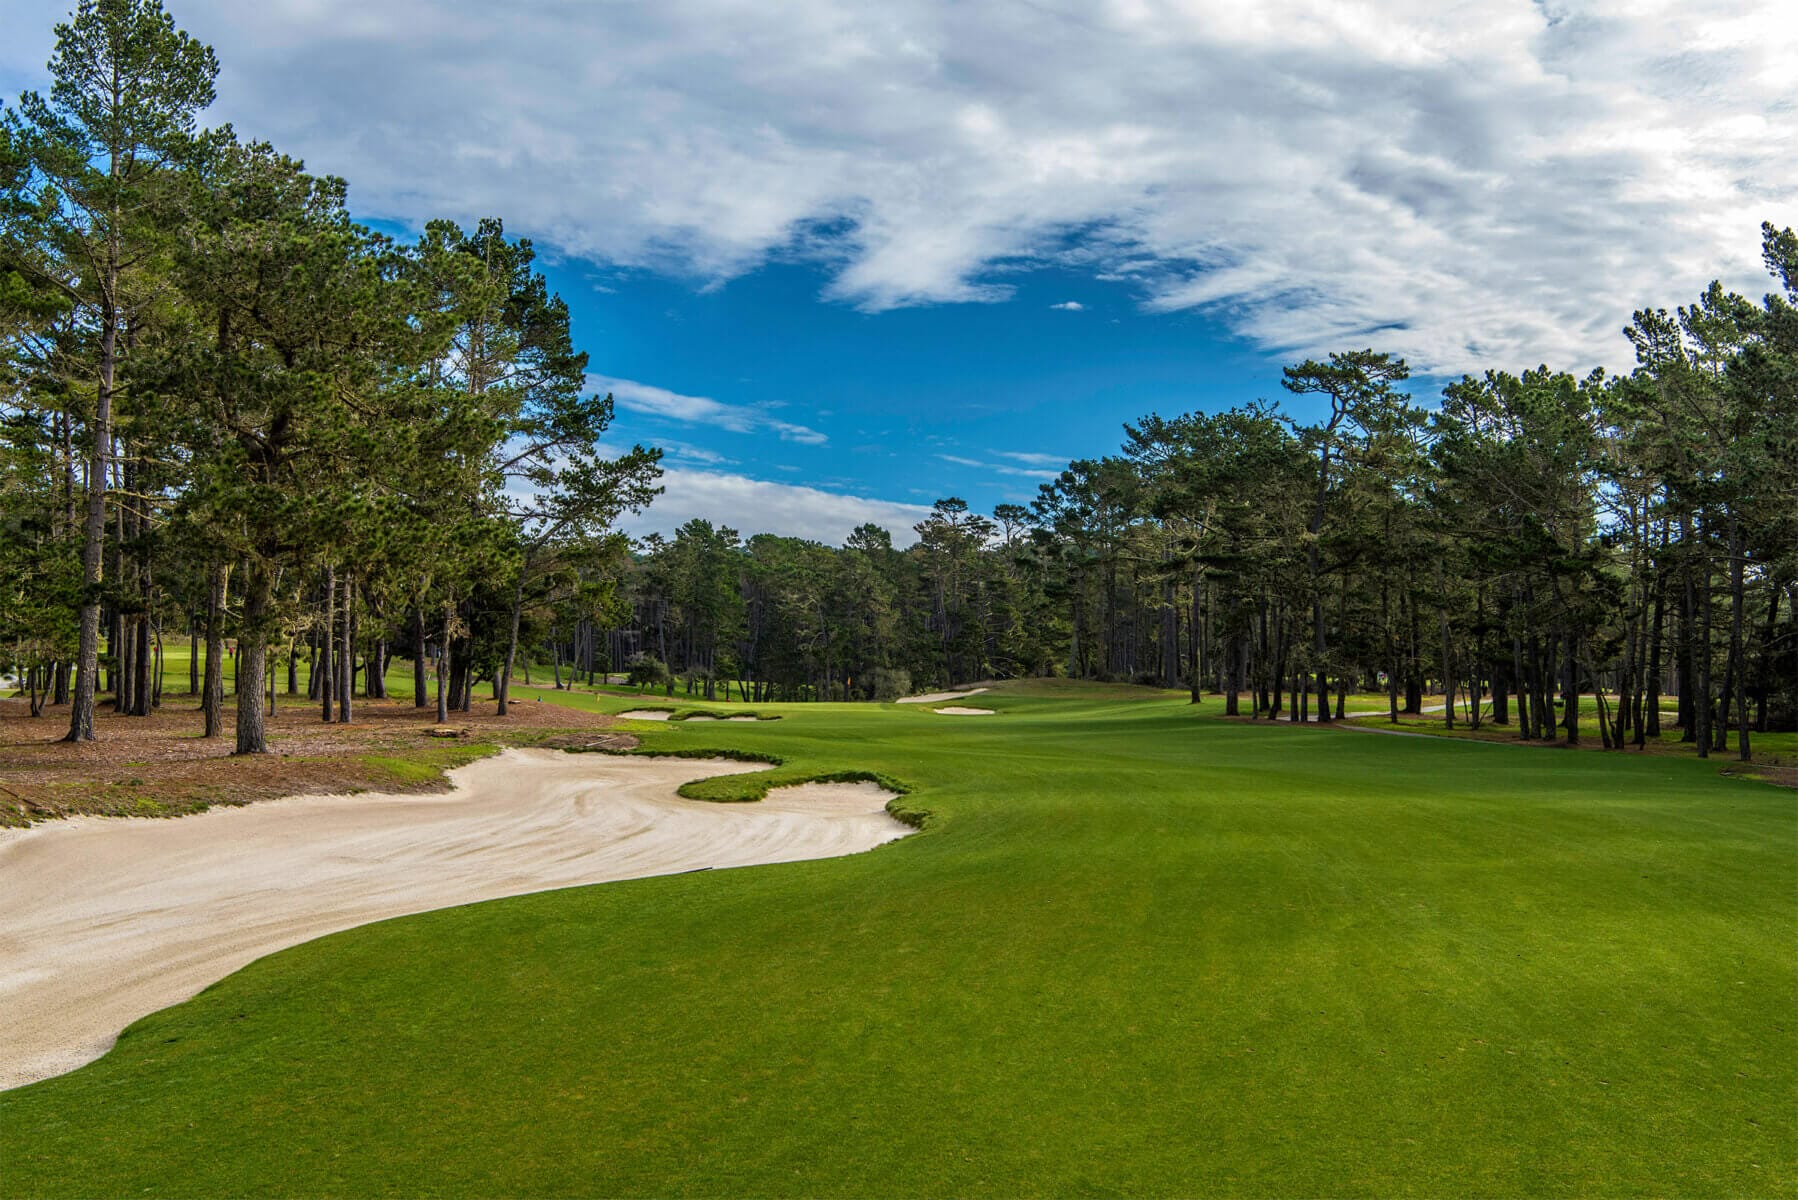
(978, 400)
(816, 247)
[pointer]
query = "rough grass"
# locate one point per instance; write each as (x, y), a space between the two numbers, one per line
(1135, 949)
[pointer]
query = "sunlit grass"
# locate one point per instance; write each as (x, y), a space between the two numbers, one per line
(1135, 949)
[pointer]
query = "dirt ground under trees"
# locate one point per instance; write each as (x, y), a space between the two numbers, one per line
(161, 766)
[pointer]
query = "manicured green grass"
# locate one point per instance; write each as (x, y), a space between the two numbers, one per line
(176, 676)
(1134, 949)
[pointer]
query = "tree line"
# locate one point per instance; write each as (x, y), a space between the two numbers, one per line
(1531, 539)
(230, 411)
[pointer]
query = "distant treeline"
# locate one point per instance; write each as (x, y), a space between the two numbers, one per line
(1535, 537)
(227, 410)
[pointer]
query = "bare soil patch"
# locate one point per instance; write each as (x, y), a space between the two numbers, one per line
(160, 765)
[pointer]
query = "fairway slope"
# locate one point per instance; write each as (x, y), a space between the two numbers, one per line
(108, 920)
(1136, 949)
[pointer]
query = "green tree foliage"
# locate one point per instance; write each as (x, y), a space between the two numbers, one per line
(96, 164)
(1536, 539)
(229, 406)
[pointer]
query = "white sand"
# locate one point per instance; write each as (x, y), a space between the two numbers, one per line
(939, 697)
(645, 714)
(956, 711)
(105, 920)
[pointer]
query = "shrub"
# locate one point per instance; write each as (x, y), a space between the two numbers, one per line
(647, 671)
(887, 684)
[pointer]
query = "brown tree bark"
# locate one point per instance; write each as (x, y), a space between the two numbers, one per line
(420, 692)
(212, 699)
(346, 672)
(327, 688)
(252, 647)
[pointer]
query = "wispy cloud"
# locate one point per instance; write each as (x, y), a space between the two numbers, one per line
(1034, 459)
(752, 506)
(1069, 306)
(648, 400)
(687, 452)
(1005, 468)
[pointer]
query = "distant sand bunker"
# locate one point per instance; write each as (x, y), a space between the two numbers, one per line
(939, 697)
(105, 920)
(645, 714)
(954, 711)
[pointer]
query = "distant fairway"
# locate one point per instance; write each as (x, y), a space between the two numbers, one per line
(1135, 949)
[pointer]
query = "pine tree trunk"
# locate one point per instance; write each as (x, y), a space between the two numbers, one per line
(122, 666)
(1195, 667)
(93, 545)
(1570, 690)
(502, 686)
(1521, 678)
(212, 701)
(1766, 670)
(1738, 603)
(1170, 635)
(327, 679)
(346, 686)
(1233, 672)
(1701, 653)
(252, 645)
(1651, 717)
(443, 665)
(144, 684)
(1448, 662)
(420, 693)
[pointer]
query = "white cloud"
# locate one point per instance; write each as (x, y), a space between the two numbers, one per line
(648, 400)
(1032, 472)
(1069, 306)
(1035, 459)
(753, 506)
(1467, 182)
(674, 450)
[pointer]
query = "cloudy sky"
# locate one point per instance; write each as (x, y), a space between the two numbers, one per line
(843, 258)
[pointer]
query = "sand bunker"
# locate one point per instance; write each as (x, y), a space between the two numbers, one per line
(105, 920)
(651, 714)
(939, 697)
(956, 711)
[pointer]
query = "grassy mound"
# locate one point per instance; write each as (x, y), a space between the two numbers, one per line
(1133, 949)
